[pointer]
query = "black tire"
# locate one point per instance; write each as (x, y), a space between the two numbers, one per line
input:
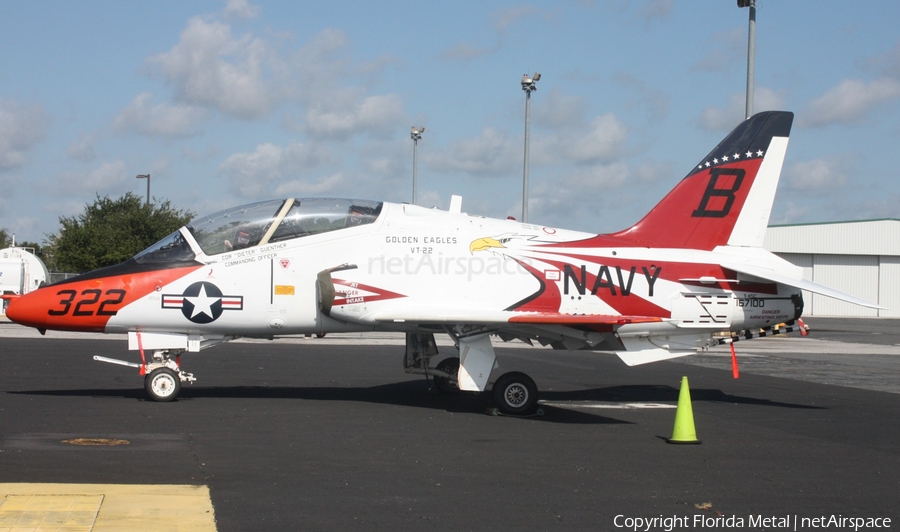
(162, 385)
(515, 394)
(444, 384)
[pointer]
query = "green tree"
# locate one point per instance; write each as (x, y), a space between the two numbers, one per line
(4, 238)
(111, 231)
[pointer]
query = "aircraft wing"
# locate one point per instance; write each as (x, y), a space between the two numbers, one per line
(803, 284)
(466, 316)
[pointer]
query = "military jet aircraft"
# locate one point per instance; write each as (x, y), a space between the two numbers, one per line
(691, 274)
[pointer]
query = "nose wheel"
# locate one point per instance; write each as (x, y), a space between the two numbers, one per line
(162, 374)
(162, 384)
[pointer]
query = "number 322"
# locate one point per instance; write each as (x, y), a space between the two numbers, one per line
(89, 297)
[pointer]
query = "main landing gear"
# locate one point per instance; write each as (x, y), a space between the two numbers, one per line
(513, 393)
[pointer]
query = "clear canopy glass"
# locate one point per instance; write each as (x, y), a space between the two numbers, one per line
(260, 223)
(278, 220)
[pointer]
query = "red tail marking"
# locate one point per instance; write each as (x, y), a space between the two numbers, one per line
(700, 212)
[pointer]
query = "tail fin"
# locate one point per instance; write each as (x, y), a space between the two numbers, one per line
(727, 197)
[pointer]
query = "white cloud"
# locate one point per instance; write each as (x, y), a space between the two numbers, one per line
(643, 96)
(256, 174)
(21, 128)
(560, 199)
(319, 66)
(790, 213)
(108, 178)
(850, 101)
(602, 141)
(83, 149)
(888, 63)
(350, 113)
(328, 185)
(656, 9)
(158, 120)
(558, 110)
(212, 68)
(199, 155)
(727, 118)
(8, 184)
(491, 154)
(241, 9)
(465, 52)
(817, 177)
(570, 140)
(244, 77)
(503, 18)
(330, 106)
(724, 52)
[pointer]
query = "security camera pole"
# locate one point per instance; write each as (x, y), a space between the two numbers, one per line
(528, 85)
(751, 52)
(416, 135)
(147, 177)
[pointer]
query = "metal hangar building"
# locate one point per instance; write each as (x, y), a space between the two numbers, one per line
(861, 258)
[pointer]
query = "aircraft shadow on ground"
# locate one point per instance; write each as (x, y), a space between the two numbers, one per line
(415, 394)
(662, 394)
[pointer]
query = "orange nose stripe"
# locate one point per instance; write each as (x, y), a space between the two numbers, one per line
(87, 305)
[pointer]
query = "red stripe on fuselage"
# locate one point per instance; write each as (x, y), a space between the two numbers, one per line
(87, 305)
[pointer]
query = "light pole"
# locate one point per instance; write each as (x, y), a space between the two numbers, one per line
(751, 52)
(528, 85)
(416, 135)
(147, 177)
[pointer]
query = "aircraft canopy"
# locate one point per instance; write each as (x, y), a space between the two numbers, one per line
(261, 223)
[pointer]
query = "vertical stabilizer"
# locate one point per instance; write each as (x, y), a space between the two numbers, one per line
(727, 198)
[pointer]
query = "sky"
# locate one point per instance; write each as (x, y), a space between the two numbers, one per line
(226, 102)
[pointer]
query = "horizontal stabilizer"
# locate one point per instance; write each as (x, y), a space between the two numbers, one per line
(802, 284)
(646, 349)
(646, 356)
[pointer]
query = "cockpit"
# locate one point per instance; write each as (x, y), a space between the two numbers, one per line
(257, 224)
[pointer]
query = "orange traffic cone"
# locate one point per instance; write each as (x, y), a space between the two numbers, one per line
(684, 431)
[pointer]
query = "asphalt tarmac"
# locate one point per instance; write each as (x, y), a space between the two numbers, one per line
(331, 434)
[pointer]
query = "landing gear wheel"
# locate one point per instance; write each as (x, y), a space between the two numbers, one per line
(162, 385)
(445, 384)
(515, 394)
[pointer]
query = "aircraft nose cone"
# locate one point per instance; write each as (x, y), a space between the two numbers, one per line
(23, 311)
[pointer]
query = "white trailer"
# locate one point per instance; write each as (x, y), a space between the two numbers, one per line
(20, 272)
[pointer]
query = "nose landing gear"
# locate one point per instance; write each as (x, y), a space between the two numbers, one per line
(163, 374)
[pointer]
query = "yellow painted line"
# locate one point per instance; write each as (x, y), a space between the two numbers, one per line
(105, 508)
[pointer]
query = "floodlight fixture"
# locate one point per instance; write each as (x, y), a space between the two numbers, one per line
(529, 82)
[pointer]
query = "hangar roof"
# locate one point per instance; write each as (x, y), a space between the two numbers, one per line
(859, 237)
